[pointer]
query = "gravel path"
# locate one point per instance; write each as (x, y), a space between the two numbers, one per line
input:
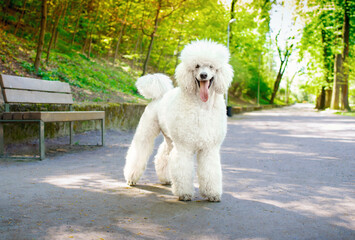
(289, 173)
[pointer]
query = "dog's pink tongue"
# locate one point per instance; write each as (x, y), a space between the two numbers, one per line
(204, 90)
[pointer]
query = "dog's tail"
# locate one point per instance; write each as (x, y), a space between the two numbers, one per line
(154, 86)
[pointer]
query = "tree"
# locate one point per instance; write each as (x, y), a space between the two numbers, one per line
(157, 19)
(250, 49)
(284, 56)
(232, 13)
(57, 15)
(20, 18)
(76, 25)
(327, 38)
(41, 35)
(91, 25)
(124, 23)
(346, 37)
(340, 87)
(151, 33)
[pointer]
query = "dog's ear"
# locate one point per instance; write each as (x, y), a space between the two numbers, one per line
(224, 77)
(185, 78)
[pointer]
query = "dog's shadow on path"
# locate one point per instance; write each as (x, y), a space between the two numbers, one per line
(164, 190)
(157, 189)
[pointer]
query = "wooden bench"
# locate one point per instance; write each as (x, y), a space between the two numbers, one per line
(20, 90)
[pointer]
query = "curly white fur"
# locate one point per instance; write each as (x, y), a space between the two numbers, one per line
(154, 86)
(192, 118)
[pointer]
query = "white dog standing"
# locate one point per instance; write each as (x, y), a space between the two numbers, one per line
(192, 119)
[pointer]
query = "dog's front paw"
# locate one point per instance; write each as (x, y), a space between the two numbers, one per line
(214, 198)
(185, 197)
(132, 177)
(131, 183)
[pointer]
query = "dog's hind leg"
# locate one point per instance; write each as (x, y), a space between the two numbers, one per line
(209, 174)
(141, 146)
(162, 160)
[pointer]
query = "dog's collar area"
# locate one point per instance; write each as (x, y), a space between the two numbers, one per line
(211, 80)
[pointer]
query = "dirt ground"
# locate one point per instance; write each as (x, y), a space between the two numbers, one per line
(287, 174)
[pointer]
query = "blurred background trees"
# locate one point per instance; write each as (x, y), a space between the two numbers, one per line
(145, 36)
(327, 47)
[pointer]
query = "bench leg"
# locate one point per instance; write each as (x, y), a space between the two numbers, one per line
(1, 139)
(71, 132)
(41, 140)
(102, 131)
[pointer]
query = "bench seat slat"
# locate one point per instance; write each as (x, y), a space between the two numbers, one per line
(14, 82)
(54, 116)
(24, 96)
(66, 116)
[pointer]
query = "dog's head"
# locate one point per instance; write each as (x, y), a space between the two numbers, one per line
(204, 68)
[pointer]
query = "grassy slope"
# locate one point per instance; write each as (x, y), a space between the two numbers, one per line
(91, 79)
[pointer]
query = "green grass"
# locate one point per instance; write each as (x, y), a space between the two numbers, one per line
(78, 70)
(351, 114)
(95, 75)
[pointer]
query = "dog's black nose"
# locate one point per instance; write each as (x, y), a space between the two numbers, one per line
(203, 75)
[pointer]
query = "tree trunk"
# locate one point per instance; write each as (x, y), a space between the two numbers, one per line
(341, 68)
(281, 72)
(90, 44)
(75, 30)
(121, 32)
(55, 38)
(232, 16)
(118, 43)
(92, 30)
(177, 52)
(345, 84)
(162, 54)
(19, 20)
(76, 25)
(321, 99)
(328, 98)
(41, 35)
(54, 30)
(276, 86)
(337, 81)
(63, 13)
(284, 57)
(148, 53)
(152, 39)
(6, 10)
(134, 60)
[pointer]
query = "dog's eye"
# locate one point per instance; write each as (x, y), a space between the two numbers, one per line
(197, 66)
(211, 67)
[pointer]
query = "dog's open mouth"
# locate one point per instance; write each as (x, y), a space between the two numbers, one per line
(204, 86)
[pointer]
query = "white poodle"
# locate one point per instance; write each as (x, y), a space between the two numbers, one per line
(192, 119)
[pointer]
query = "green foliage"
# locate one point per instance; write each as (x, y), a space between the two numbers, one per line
(89, 32)
(320, 41)
(82, 72)
(249, 48)
(350, 114)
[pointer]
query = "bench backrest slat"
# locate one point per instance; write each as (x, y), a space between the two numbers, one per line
(23, 83)
(27, 90)
(23, 96)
